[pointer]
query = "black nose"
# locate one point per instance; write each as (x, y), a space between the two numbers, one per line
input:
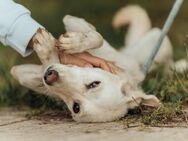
(51, 76)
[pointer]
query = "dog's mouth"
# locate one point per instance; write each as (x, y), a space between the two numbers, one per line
(51, 76)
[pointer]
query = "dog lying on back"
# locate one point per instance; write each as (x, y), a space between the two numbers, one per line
(92, 94)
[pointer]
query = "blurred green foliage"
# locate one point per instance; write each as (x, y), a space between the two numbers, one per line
(49, 13)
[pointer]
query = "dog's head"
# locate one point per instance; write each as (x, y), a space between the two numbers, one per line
(94, 95)
(91, 94)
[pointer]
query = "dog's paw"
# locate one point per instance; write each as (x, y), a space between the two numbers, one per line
(44, 45)
(76, 24)
(73, 42)
(44, 42)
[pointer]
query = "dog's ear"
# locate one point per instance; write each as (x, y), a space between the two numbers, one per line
(140, 98)
(30, 76)
(136, 97)
(149, 100)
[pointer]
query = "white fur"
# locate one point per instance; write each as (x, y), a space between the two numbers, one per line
(112, 98)
(141, 36)
(138, 21)
(181, 66)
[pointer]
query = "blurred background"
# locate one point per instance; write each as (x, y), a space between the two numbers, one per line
(49, 13)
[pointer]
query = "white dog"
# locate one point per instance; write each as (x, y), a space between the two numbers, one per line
(92, 94)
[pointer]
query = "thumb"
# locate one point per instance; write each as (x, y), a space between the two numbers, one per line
(73, 60)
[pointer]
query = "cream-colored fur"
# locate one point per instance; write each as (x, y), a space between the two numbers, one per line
(114, 94)
(141, 35)
(109, 100)
(138, 21)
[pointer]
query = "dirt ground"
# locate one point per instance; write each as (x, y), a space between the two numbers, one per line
(15, 126)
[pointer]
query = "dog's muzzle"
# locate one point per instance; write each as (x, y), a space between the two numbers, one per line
(51, 76)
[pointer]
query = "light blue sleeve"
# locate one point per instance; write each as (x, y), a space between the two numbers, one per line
(16, 26)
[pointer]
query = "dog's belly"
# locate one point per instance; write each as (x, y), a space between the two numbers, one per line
(129, 64)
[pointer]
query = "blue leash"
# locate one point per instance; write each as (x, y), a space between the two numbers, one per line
(165, 30)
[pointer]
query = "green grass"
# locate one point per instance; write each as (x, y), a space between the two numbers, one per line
(168, 115)
(169, 88)
(172, 91)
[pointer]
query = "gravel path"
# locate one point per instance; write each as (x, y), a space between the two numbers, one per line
(14, 126)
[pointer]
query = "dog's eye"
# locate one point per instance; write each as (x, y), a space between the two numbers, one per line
(76, 107)
(93, 84)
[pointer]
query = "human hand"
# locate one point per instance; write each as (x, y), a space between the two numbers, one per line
(87, 60)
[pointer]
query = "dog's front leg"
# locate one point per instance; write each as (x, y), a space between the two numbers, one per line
(77, 42)
(81, 36)
(31, 76)
(44, 46)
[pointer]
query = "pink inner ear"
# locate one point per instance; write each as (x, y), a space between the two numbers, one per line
(153, 102)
